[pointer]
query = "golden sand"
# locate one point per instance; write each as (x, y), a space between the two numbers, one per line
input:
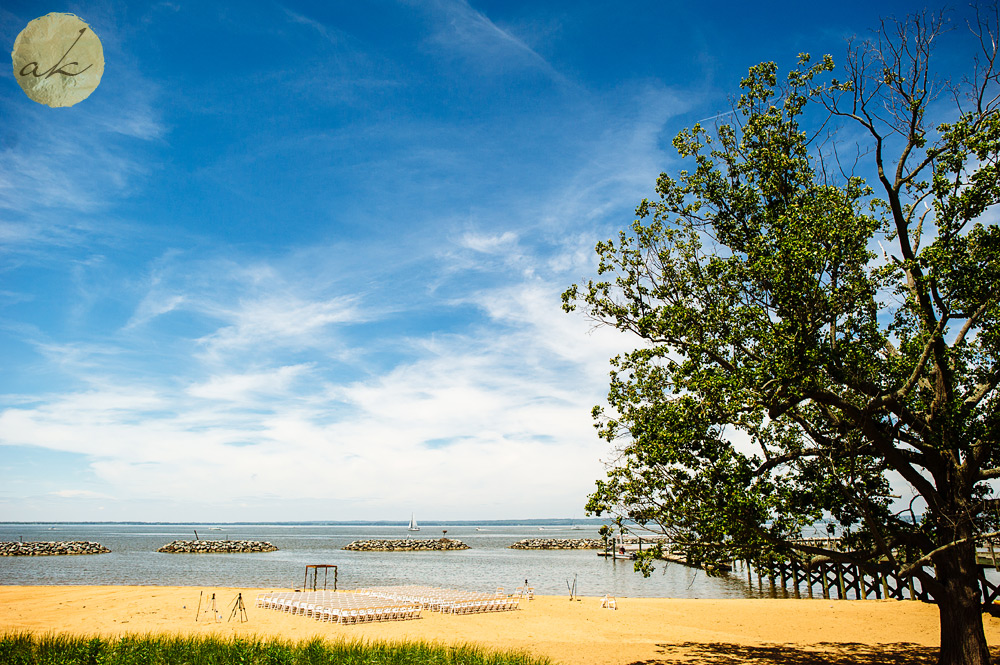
(642, 630)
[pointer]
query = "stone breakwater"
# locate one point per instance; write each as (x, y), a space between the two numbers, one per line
(408, 545)
(217, 547)
(51, 548)
(559, 544)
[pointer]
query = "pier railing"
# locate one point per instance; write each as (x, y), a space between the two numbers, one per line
(835, 580)
(831, 580)
(849, 581)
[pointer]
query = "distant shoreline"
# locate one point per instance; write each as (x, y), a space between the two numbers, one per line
(559, 521)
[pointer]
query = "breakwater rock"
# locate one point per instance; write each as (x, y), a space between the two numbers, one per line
(407, 545)
(51, 548)
(559, 544)
(217, 547)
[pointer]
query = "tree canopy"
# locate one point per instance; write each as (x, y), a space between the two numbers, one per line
(819, 315)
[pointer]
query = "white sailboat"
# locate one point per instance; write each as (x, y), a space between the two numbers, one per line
(413, 524)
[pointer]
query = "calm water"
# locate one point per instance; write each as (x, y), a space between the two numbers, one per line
(488, 564)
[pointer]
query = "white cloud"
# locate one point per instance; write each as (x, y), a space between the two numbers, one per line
(471, 401)
(623, 163)
(455, 432)
(470, 32)
(79, 494)
(248, 386)
(324, 31)
(287, 322)
(154, 306)
(489, 243)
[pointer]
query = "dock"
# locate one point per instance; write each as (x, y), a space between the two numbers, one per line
(629, 550)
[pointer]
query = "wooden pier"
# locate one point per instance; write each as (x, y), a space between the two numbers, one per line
(847, 581)
(835, 580)
(629, 550)
(629, 547)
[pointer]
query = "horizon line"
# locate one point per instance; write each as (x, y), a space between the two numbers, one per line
(533, 520)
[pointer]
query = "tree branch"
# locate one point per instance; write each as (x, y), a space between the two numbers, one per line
(927, 559)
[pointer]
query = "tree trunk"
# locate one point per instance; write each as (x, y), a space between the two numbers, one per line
(963, 641)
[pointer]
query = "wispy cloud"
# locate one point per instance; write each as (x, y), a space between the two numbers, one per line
(45, 173)
(69, 165)
(79, 494)
(248, 387)
(60, 171)
(324, 30)
(279, 322)
(407, 349)
(505, 394)
(489, 243)
(467, 31)
(153, 306)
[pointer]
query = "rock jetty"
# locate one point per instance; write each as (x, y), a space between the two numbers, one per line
(217, 547)
(559, 544)
(407, 545)
(51, 548)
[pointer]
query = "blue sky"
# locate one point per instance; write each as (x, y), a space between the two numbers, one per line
(303, 261)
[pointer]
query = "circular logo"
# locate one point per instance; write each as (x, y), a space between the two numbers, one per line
(58, 60)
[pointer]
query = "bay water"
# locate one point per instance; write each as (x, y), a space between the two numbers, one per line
(489, 563)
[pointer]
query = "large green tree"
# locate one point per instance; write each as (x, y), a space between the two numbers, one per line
(817, 301)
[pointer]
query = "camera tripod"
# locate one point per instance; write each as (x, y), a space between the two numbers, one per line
(239, 607)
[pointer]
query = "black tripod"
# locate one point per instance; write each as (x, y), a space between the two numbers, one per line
(238, 607)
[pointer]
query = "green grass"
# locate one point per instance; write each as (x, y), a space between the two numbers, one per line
(59, 649)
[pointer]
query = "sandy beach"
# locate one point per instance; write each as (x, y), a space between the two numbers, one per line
(643, 630)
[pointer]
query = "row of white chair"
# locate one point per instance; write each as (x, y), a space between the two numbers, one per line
(482, 605)
(368, 614)
(338, 607)
(291, 601)
(447, 600)
(388, 603)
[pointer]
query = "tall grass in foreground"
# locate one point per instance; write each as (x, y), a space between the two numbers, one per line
(58, 649)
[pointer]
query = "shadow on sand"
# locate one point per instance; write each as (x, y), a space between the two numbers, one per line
(824, 653)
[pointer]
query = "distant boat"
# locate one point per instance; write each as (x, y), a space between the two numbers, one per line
(413, 524)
